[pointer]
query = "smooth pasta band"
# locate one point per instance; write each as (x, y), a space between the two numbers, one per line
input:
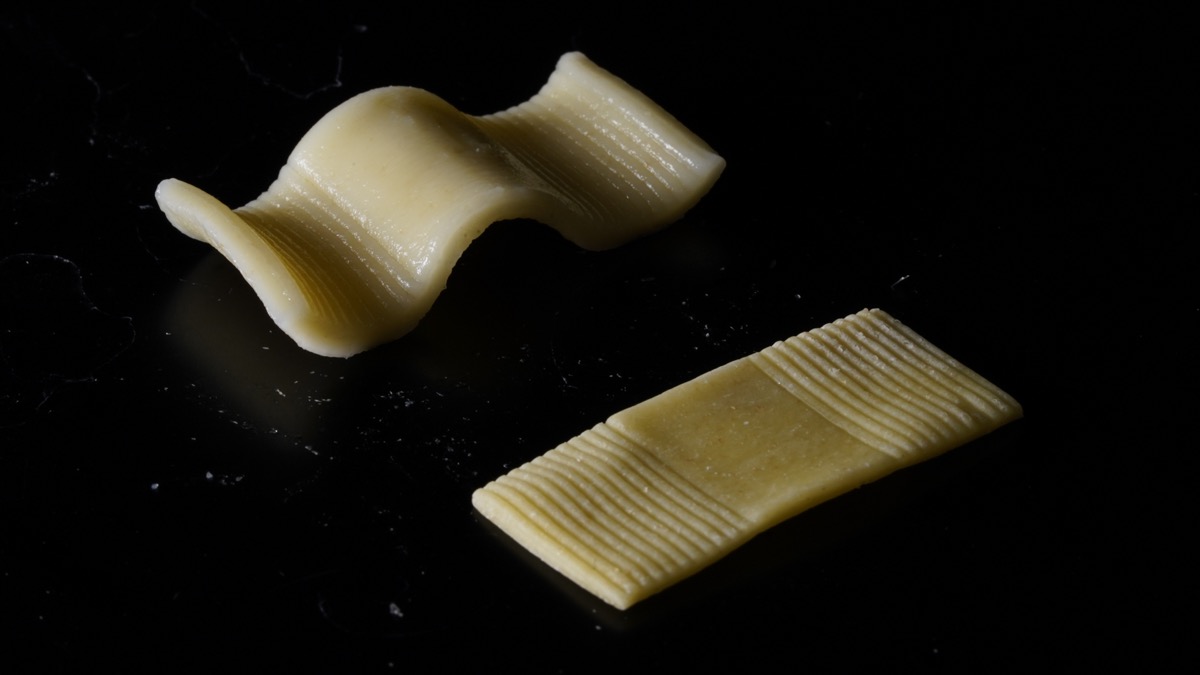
(354, 241)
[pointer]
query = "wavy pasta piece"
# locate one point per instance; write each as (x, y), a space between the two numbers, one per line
(354, 241)
(664, 488)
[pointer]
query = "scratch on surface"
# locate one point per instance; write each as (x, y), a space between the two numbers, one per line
(261, 74)
(51, 334)
(335, 83)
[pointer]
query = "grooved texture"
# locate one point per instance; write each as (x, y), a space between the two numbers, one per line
(885, 385)
(604, 158)
(346, 278)
(672, 484)
(354, 241)
(611, 507)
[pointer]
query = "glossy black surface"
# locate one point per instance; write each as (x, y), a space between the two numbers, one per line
(181, 487)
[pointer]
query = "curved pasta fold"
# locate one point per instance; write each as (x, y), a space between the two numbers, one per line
(355, 239)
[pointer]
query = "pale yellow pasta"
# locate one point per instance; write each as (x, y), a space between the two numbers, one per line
(666, 487)
(354, 241)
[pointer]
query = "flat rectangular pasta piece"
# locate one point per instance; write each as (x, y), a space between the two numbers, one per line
(666, 487)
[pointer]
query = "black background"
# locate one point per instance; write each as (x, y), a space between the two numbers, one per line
(183, 488)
